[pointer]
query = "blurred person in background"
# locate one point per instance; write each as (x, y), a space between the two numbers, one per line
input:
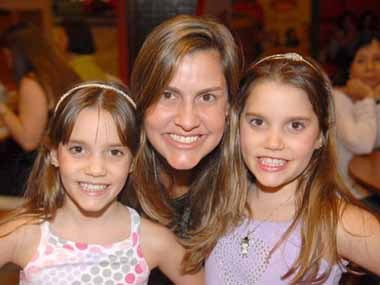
(41, 75)
(75, 38)
(358, 111)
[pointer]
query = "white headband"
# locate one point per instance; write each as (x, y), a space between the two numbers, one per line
(99, 85)
(290, 56)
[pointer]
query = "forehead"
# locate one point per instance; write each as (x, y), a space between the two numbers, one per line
(372, 47)
(200, 68)
(95, 124)
(276, 98)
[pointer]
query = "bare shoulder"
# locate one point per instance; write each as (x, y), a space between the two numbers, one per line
(358, 237)
(357, 221)
(155, 234)
(29, 83)
(156, 242)
(18, 240)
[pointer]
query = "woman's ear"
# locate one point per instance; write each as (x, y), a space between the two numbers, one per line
(54, 158)
(320, 141)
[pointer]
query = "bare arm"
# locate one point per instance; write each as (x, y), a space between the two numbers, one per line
(161, 249)
(358, 238)
(27, 127)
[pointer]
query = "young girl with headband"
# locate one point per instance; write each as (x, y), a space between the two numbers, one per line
(71, 228)
(301, 226)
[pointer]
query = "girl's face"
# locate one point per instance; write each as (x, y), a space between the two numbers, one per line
(366, 64)
(94, 164)
(187, 122)
(279, 132)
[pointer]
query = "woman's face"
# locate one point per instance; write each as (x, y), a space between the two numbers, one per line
(188, 120)
(366, 64)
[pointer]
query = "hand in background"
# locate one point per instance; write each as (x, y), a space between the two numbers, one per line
(358, 90)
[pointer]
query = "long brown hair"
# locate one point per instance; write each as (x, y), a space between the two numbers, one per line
(44, 193)
(320, 197)
(33, 53)
(212, 196)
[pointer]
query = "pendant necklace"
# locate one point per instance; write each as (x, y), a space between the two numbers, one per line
(246, 239)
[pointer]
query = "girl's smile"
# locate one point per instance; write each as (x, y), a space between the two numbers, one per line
(277, 142)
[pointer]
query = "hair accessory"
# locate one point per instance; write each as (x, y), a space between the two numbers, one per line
(290, 56)
(98, 85)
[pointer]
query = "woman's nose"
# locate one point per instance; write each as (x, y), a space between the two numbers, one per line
(187, 116)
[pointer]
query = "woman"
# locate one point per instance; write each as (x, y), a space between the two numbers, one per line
(184, 80)
(357, 114)
(41, 74)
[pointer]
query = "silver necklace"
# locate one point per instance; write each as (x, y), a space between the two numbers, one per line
(245, 240)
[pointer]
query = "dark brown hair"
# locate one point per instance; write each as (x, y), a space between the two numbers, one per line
(212, 190)
(44, 193)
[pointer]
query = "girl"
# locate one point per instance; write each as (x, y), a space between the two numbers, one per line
(185, 79)
(302, 226)
(72, 229)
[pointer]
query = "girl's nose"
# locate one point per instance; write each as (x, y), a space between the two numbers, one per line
(274, 140)
(96, 166)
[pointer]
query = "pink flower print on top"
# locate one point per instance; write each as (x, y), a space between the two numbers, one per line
(78, 263)
(139, 268)
(49, 250)
(139, 251)
(68, 247)
(81, 246)
(130, 278)
(134, 239)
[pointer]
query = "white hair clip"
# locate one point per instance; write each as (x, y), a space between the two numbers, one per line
(98, 85)
(290, 56)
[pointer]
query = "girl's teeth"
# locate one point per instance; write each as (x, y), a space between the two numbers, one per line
(183, 139)
(273, 162)
(92, 187)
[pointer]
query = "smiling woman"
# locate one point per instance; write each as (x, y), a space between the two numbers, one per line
(184, 80)
(187, 122)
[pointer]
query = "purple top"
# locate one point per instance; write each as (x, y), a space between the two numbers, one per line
(228, 265)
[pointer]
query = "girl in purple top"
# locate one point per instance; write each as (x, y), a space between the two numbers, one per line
(302, 225)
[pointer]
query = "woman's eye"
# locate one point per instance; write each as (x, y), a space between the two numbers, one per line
(359, 61)
(167, 95)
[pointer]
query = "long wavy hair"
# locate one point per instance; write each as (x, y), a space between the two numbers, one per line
(211, 194)
(44, 194)
(320, 198)
(33, 54)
